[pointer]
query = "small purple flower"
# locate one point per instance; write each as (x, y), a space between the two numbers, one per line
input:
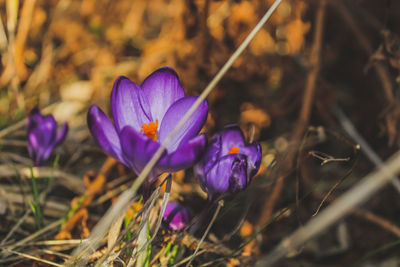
(42, 136)
(144, 116)
(228, 164)
(176, 216)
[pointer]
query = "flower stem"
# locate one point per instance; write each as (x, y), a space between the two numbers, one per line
(35, 203)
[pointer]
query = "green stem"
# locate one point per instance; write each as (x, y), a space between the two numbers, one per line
(35, 204)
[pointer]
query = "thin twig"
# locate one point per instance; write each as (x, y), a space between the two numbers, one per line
(188, 258)
(103, 225)
(365, 214)
(338, 209)
(220, 205)
(325, 158)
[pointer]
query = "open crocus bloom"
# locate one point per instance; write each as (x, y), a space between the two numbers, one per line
(144, 116)
(42, 136)
(176, 216)
(228, 164)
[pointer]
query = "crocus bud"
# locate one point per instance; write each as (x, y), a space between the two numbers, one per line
(42, 136)
(228, 164)
(176, 216)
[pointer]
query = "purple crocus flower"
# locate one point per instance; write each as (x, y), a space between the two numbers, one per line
(228, 164)
(42, 136)
(176, 216)
(144, 116)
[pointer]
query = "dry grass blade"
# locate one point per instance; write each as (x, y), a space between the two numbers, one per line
(34, 258)
(16, 226)
(146, 206)
(71, 182)
(102, 227)
(162, 209)
(139, 253)
(113, 236)
(35, 235)
(353, 197)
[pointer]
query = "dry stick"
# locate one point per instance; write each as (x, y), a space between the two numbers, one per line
(353, 197)
(365, 214)
(220, 205)
(102, 226)
(365, 147)
(304, 113)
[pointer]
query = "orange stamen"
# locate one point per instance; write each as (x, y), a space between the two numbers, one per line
(150, 130)
(234, 150)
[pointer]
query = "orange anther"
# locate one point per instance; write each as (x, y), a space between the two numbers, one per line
(150, 130)
(234, 150)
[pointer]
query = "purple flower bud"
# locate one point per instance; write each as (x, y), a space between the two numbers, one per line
(42, 136)
(228, 164)
(176, 216)
(143, 117)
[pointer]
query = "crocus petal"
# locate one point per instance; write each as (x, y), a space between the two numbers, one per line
(128, 105)
(228, 175)
(138, 149)
(191, 127)
(49, 130)
(185, 156)
(162, 89)
(176, 216)
(213, 152)
(231, 136)
(254, 155)
(62, 134)
(104, 133)
(36, 150)
(39, 142)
